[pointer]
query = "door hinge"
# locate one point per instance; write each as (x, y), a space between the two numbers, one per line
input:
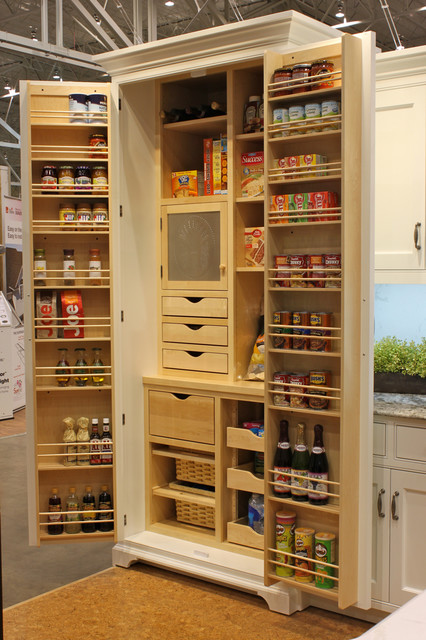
(123, 418)
(121, 210)
(125, 520)
(122, 316)
(119, 104)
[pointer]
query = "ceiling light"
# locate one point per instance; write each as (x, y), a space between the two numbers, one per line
(97, 18)
(7, 85)
(340, 13)
(169, 3)
(33, 33)
(344, 24)
(56, 74)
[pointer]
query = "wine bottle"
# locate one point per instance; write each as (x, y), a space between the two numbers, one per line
(300, 466)
(318, 469)
(282, 463)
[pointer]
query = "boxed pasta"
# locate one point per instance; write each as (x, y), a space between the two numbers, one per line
(252, 168)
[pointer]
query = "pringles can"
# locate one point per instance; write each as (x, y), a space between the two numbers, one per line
(304, 550)
(285, 525)
(325, 550)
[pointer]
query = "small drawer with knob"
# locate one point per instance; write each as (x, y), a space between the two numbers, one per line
(195, 334)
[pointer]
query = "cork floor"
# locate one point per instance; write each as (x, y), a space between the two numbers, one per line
(148, 603)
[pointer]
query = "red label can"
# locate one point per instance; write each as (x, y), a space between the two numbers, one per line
(297, 264)
(283, 340)
(333, 265)
(316, 269)
(298, 383)
(281, 263)
(300, 335)
(281, 399)
(319, 342)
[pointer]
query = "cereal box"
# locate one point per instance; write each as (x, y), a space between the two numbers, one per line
(254, 241)
(217, 173)
(224, 165)
(252, 174)
(208, 166)
(187, 183)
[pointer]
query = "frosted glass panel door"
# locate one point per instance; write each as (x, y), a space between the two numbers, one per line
(193, 247)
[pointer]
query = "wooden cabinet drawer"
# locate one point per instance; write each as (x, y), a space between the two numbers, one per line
(195, 361)
(181, 416)
(240, 533)
(242, 478)
(195, 307)
(410, 443)
(195, 333)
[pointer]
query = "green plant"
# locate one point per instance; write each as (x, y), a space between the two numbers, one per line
(393, 355)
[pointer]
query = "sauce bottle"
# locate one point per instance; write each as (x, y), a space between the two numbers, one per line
(97, 372)
(62, 371)
(88, 515)
(105, 504)
(70, 435)
(299, 466)
(55, 515)
(72, 516)
(106, 455)
(95, 443)
(95, 267)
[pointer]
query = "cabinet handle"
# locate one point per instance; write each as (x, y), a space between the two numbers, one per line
(379, 504)
(417, 235)
(394, 497)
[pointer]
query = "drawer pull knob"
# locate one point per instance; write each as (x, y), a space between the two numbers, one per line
(379, 504)
(181, 396)
(394, 514)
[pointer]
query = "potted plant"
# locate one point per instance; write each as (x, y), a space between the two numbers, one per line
(400, 366)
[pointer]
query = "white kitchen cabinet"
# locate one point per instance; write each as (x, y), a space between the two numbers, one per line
(401, 167)
(399, 515)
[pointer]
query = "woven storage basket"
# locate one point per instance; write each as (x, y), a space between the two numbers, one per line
(199, 472)
(195, 514)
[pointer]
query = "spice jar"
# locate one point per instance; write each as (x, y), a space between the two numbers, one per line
(97, 143)
(320, 68)
(40, 267)
(100, 214)
(66, 177)
(300, 78)
(95, 266)
(84, 216)
(67, 216)
(49, 178)
(281, 75)
(69, 267)
(100, 179)
(82, 178)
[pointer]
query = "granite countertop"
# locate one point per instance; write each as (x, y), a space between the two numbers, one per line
(400, 405)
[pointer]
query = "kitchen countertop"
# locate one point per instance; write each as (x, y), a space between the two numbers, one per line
(400, 405)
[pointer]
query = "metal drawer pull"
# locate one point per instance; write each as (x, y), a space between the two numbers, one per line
(379, 504)
(417, 235)
(395, 495)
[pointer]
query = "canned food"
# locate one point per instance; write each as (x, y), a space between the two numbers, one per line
(282, 341)
(297, 264)
(297, 385)
(300, 78)
(319, 342)
(330, 109)
(304, 550)
(322, 69)
(325, 550)
(281, 399)
(295, 114)
(283, 75)
(316, 266)
(285, 525)
(67, 216)
(300, 336)
(313, 111)
(78, 102)
(284, 275)
(97, 103)
(333, 263)
(280, 116)
(322, 379)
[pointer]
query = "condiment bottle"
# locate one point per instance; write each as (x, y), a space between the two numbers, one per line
(106, 455)
(84, 216)
(97, 143)
(80, 374)
(83, 458)
(100, 214)
(66, 177)
(105, 503)
(70, 436)
(95, 443)
(69, 267)
(40, 267)
(55, 515)
(97, 372)
(82, 178)
(67, 216)
(300, 466)
(72, 515)
(62, 371)
(49, 178)
(95, 267)
(88, 515)
(100, 179)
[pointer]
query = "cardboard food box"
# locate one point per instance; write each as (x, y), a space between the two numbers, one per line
(255, 246)
(187, 183)
(252, 168)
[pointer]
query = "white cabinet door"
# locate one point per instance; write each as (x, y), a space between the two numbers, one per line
(408, 526)
(400, 177)
(380, 534)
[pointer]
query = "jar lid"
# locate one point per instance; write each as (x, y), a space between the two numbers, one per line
(286, 516)
(324, 535)
(103, 167)
(39, 250)
(283, 70)
(254, 98)
(303, 65)
(82, 167)
(66, 166)
(97, 135)
(94, 250)
(69, 252)
(49, 166)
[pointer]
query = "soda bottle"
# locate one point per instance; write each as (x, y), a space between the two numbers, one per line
(55, 515)
(105, 504)
(318, 469)
(95, 443)
(72, 516)
(88, 515)
(300, 466)
(282, 463)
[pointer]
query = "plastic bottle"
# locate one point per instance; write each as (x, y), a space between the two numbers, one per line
(256, 511)
(72, 516)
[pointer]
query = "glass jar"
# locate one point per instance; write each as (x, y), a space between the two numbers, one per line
(80, 374)
(97, 143)
(62, 371)
(100, 179)
(281, 75)
(69, 267)
(82, 178)
(84, 216)
(300, 78)
(49, 178)
(66, 177)
(100, 214)
(40, 267)
(320, 68)
(97, 370)
(67, 216)
(95, 267)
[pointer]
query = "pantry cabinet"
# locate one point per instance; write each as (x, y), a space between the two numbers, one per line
(189, 306)
(399, 507)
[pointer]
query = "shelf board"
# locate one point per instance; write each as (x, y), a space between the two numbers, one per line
(72, 125)
(195, 199)
(64, 287)
(296, 97)
(70, 195)
(290, 226)
(255, 199)
(71, 537)
(307, 289)
(175, 442)
(200, 126)
(292, 181)
(256, 136)
(70, 389)
(326, 354)
(331, 509)
(175, 494)
(184, 530)
(72, 340)
(39, 232)
(55, 156)
(309, 587)
(250, 269)
(46, 466)
(305, 136)
(313, 412)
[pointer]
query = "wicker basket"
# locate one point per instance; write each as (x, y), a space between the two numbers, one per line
(199, 472)
(197, 514)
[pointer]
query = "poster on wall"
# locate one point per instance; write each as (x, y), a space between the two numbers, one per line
(12, 239)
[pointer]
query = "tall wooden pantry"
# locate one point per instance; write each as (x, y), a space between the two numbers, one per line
(176, 308)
